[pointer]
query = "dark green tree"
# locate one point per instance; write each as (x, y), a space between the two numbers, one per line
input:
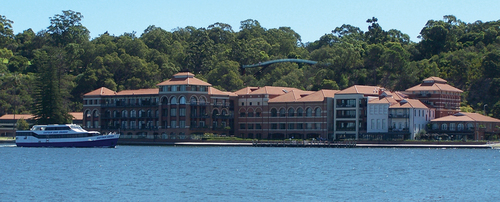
(67, 28)
(48, 105)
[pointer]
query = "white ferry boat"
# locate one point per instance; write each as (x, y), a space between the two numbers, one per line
(68, 135)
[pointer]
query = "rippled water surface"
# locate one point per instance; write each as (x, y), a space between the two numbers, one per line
(150, 173)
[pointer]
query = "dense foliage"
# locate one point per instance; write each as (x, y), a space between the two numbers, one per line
(63, 58)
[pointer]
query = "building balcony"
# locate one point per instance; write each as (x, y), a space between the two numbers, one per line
(423, 95)
(154, 104)
(398, 115)
(346, 116)
(398, 129)
(346, 129)
(346, 105)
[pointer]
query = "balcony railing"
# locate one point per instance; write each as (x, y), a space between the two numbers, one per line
(346, 129)
(346, 105)
(154, 104)
(398, 115)
(346, 116)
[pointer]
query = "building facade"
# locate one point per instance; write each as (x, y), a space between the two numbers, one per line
(466, 126)
(438, 94)
(284, 113)
(185, 107)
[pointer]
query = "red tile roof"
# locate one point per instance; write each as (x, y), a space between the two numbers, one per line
(463, 116)
(435, 79)
(149, 91)
(18, 116)
(246, 90)
(292, 96)
(409, 103)
(76, 116)
(101, 91)
(434, 87)
(434, 84)
(304, 96)
(359, 89)
(214, 91)
(184, 78)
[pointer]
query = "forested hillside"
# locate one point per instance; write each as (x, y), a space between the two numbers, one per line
(63, 60)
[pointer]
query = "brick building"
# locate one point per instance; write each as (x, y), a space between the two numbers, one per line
(438, 94)
(185, 107)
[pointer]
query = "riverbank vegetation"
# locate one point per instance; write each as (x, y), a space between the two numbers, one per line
(46, 72)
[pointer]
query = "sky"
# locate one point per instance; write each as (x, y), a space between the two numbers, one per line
(311, 19)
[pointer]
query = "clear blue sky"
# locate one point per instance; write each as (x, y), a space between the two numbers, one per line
(311, 19)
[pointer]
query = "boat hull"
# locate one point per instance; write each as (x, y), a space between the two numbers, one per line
(85, 143)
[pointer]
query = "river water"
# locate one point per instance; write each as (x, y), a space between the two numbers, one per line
(169, 173)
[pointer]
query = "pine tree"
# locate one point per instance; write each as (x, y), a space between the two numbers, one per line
(48, 105)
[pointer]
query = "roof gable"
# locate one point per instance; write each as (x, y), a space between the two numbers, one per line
(101, 91)
(360, 89)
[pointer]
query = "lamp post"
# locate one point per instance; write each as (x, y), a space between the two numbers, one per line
(484, 108)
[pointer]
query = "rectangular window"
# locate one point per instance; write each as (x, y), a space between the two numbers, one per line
(317, 126)
(250, 103)
(282, 126)
(173, 124)
(383, 123)
(182, 124)
(274, 126)
(173, 112)
(291, 126)
(309, 126)
(300, 126)
(250, 126)
(182, 111)
(258, 126)
(242, 126)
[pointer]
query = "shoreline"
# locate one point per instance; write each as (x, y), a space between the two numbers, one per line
(347, 144)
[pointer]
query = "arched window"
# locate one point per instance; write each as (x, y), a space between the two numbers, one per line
(215, 112)
(96, 113)
(224, 112)
(115, 114)
(282, 112)
(203, 100)
(124, 114)
(470, 126)
(274, 112)
(258, 112)
(182, 100)
(87, 114)
(149, 113)
(250, 113)
(460, 127)
(291, 112)
(444, 126)
(173, 100)
(308, 112)
(193, 100)
(300, 112)
(133, 113)
(317, 112)
(164, 101)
